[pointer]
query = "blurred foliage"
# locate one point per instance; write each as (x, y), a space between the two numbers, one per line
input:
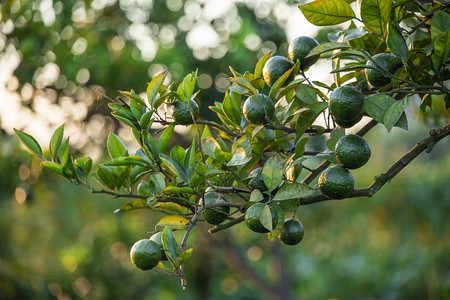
(63, 241)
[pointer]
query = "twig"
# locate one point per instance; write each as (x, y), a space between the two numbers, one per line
(228, 189)
(226, 225)
(380, 180)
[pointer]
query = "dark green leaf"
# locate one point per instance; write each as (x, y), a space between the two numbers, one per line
(308, 116)
(293, 191)
(329, 156)
(272, 173)
(440, 24)
(327, 12)
(116, 148)
(376, 106)
(55, 141)
(63, 152)
(396, 42)
(169, 243)
(157, 183)
(175, 166)
(106, 176)
(85, 164)
(30, 142)
(145, 120)
(300, 147)
(375, 14)
(393, 113)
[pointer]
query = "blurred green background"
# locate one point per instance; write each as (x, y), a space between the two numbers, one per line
(61, 242)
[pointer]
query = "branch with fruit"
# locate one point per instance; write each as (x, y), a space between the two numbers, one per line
(254, 166)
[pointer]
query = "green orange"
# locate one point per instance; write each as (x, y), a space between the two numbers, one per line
(184, 114)
(274, 68)
(376, 77)
(145, 254)
(215, 215)
(336, 182)
(258, 109)
(346, 105)
(252, 217)
(352, 151)
(292, 232)
(299, 49)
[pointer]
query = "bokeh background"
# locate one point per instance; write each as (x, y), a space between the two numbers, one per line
(58, 241)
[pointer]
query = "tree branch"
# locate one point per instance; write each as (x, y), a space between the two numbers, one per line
(425, 145)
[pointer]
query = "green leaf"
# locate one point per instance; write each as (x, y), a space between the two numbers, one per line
(396, 42)
(174, 222)
(266, 218)
(239, 158)
(369, 42)
(377, 105)
(185, 256)
(53, 167)
(128, 161)
(260, 65)
(245, 84)
(293, 191)
(189, 159)
(136, 204)
(209, 145)
(291, 86)
(329, 156)
(106, 176)
(307, 117)
(30, 142)
(306, 95)
(393, 113)
(441, 51)
(145, 120)
(327, 12)
(157, 182)
(175, 166)
(178, 153)
(116, 148)
(55, 141)
(256, 196)
(164, 139)
(154, 86)
(169, 243)
(335, 135)
(440, 24)
(132, 95)
(232, 109)
(375, 14)
(326, 47)
(85, 164)
(189, 85)
(300, 147)
(272, 173)
(63, 152)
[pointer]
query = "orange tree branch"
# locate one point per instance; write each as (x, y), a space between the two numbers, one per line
(427, 145)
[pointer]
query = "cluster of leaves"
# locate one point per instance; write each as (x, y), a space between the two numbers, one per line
(220, 157)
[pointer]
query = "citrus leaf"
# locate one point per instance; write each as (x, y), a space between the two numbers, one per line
(157, 183)
(272, 173)
(266, 218)
(178, 190)
(106, 176)
(291, 86)
(116, 148)
(208, 145)
(260, 65)
(329, 156)
(440, 24)
(280, 81)
(170, 206)
(327, 12)
(396, 42)
(239, 158)
(136, 204)
(154, 86)
(326, 47)
(335, 135)
(55, 141)
(393, 113)
(441, 51)
(244, 83)
(174, 222)
(175, 166)
(63, 152)
(30, 142)
(307, 117)
(146, 119)
(376, 106)
(132, 95)
(85, 164)
(128, 161)
(256, 196)
(232, 109)
(169, 244)
(164, 139)
(53, 167)
(375, 15)
(293, 191)
(185, 256)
